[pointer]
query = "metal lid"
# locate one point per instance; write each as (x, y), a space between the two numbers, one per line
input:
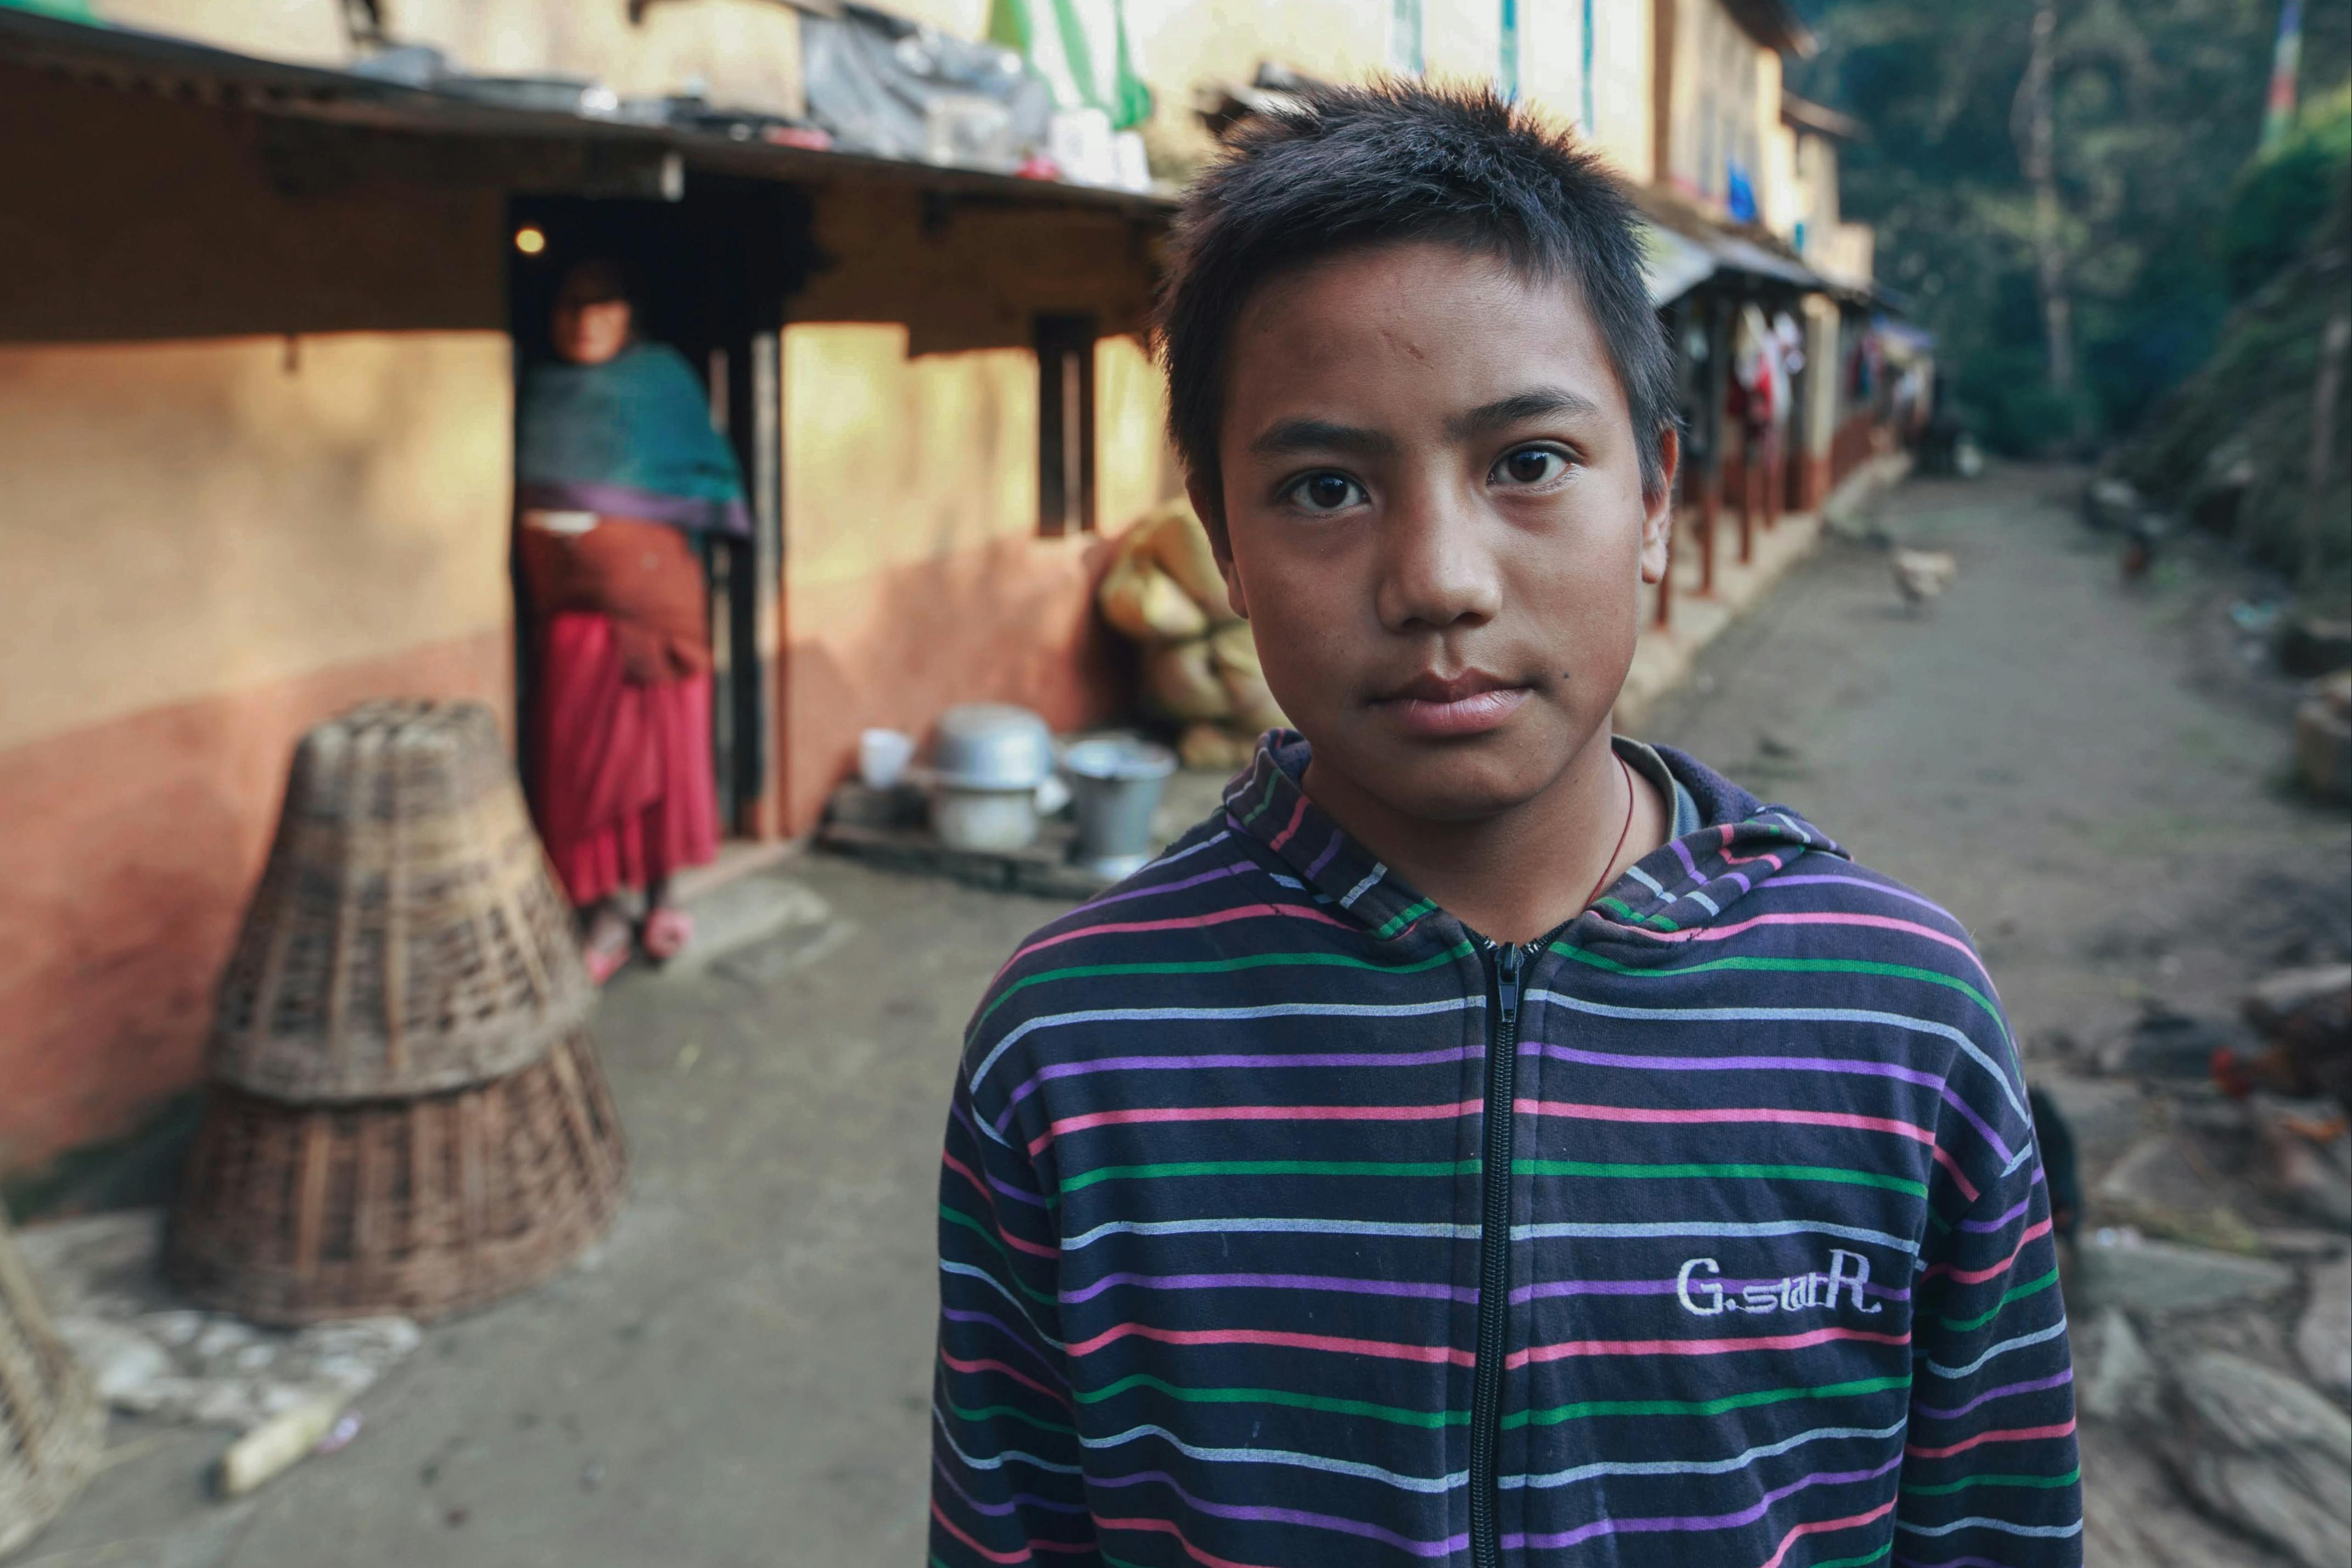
(991, 745)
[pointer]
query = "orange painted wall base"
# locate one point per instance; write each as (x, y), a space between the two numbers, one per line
(134, 844)
(1009, 621)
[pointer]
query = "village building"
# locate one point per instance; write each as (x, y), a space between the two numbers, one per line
(275, 267)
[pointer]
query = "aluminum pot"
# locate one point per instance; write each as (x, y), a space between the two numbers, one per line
(988, 759)
(992, 746)
(1116, 783)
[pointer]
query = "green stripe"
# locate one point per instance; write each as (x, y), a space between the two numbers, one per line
(1431, 1419)
(1626, 911)
(2014, 1293)
(1274, 1168)
(1949, 1488)
(1221, 967)
(990, 1412)
(956, 1216)
(1791, 1173)
(1406, 917)
(1273, 777)
(1798, 967)
(1863, 1560)
(1558, 1414)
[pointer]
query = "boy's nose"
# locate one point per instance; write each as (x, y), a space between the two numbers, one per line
(1437, 563)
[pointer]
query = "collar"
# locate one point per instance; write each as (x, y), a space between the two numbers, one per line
(1701, 871)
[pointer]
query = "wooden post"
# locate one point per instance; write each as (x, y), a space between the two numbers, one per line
(1719, 388)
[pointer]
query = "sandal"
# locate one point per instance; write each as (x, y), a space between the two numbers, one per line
(668, 931)
(606, 949)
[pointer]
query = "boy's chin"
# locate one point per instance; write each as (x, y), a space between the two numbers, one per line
(1456, 784)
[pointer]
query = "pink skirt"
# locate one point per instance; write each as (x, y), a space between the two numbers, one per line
(622, 771)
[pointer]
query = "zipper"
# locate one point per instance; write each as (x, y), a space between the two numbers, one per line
(1494, 1255)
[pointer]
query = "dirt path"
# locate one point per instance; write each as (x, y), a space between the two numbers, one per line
(739, 1378)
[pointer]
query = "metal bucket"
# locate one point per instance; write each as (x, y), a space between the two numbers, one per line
(1116, 786)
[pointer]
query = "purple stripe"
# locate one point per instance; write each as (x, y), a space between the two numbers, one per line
(1729, 1064)
(1288, 1516)
(1902, 893)
(1790, 1064)
(1748, 1515)
(1012, 1505)
(1028, 1085)
(1315, 868)
(1690, 866)
(1467, 1295)
(1093, 904)
(628, 500)
(1991, 1226)
(956, 1113)
(2055, 1380)
(958, 1315)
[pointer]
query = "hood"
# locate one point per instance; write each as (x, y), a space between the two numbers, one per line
(1698, 880)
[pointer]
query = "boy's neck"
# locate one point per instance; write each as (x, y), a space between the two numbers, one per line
(1521, 873)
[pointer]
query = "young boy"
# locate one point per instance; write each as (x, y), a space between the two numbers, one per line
(1487, 1140)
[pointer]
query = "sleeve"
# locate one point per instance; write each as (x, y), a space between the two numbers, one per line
(1007, 1483)
(1989, 1470)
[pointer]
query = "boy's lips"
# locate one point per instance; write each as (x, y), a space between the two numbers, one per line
(1438, 707)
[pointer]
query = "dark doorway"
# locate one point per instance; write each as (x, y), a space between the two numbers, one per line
(711, 272)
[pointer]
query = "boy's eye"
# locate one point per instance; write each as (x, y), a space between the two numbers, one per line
(1530, 466)
(1327, 492)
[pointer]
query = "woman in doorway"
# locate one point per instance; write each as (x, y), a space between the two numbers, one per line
(616, 463)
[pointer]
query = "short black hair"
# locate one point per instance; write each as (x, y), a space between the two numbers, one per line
(1350, 167)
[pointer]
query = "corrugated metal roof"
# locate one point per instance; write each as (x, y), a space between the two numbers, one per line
(132, 61)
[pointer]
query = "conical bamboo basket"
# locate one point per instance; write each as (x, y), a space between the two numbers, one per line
(406, 937)
(424, 1207)
(52, 1427)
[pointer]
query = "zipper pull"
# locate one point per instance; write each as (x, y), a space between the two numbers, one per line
(1507, 982)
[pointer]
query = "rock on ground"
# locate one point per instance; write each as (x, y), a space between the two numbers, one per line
(2266, 1453)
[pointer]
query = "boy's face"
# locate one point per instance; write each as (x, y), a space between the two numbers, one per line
(1434, 522)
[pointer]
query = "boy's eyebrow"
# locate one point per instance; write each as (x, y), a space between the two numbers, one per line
(1322, 436)
(1536, 403)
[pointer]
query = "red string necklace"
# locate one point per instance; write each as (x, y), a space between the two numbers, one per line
(1622, 833)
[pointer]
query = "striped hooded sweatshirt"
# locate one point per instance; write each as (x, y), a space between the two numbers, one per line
(1285, 1221)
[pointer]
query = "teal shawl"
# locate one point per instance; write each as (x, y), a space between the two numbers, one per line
(630, 438)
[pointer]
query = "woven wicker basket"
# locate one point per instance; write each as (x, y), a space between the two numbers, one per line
(406, 937)
(52, 1427)
(293, 1214)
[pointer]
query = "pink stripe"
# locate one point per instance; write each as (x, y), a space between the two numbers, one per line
(1251, 1113)
(1879, 923)
(1959, 1177)
(1752, 1113)
(1181, 922)
(2009, 1434)
(1978, 1275)
(1821, 1527)
(1297, 815)
(1540, 1354)
(1387, 1350)
(1055, 1395)
(996, 1220)
(1024, 1555)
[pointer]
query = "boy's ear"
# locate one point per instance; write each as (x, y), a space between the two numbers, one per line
(1658, 510)
(1209, 508)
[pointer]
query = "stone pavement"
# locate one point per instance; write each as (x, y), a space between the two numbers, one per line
(740, 1375)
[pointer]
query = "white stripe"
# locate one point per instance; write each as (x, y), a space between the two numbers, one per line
(1699, 1466)
(1270, 1010)
(1372, 877)
(1650, 883)
(1796, 1015)
(2039, 1336)
(1978, 1521)
(971, 1271)
(1411, 1230)
(1703, 901)
(1709, 1228)
(1284, 1456)
(971, 1462)
(1220, 835)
